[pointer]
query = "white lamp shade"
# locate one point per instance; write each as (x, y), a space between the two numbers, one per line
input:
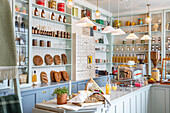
(118, 32)
(85, 22)
(108, 29)
(132, 36)
(146, 37)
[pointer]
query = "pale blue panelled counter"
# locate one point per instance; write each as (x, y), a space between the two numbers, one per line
(42, 93)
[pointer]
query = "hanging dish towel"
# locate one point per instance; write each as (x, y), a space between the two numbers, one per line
(10, 104)
(8, 60)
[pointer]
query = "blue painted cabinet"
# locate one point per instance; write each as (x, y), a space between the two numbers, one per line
(81, 85)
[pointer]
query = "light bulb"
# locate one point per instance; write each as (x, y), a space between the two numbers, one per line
(148, 19)
(70, 3)
(97, 14)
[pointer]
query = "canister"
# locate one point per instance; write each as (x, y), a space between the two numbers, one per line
(53, 4)
(128, 23)
(140, 21)
(133, 23)
(61, 7)
(48, 43)
(95, 28)
(41, 43)
(41, 2)
(116, 23)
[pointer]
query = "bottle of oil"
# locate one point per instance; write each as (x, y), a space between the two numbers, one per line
(116, 59)
(125, 58)
(129, 58)
(122, 58)
(113, 59)
(119, 58)
(132, 58)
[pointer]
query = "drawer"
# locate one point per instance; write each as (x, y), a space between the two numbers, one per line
(51, 92)
(61, 86)
(41, 100)
(45, 93)
(74, 88)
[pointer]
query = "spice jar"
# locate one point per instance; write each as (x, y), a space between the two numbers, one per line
(36, 12)
(42, 43)
(53, 4)
(43, 14)
(59, 18)
(64, 19)
(52, 16)
(48, 43)
(34, 42)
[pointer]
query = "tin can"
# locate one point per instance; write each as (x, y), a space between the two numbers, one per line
(140, 21)
(42, 43)
(48, 43)
(117, 23)
(41, 2)
(128, 23)
(61, 7)
(53, 4)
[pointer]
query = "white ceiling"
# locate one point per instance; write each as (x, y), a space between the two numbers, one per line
(138, 5)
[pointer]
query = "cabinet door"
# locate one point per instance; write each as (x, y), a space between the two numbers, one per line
(28, 103)
(127, 106)
(119, 108)
(138, 104)
(81, 86)
(74, 88)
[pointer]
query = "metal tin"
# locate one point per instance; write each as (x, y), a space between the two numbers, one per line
(61, 7)
(128, 23)
(53, 4)
(140, 21)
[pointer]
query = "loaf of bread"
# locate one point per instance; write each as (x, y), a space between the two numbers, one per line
(48, 59)
(99, 97)
(37, 60)
(57, 60)
(64, 58)
(52, 76)
(65, 75)
(57, 76)
(91, 100)
(44, 77)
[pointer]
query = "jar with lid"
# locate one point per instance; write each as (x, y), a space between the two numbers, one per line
(168, 39)
(133, 41)
(43, 14)
(159, 39)
(169, 47)
(153, 40)
(124, 41)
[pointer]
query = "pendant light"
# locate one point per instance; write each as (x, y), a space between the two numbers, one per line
(108, 28)
(85, 22)
(118, 30)
(148, 18)
(70, 3)
(132, 34)
(146, 37)
(97, 13)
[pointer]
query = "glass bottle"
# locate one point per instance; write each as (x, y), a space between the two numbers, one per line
(128, 58)
(122, 58)
(116, 59)
(36, 12)
(34, 78)
(133, 58)
(64, 19)
(59, 18)
(108, 86)
(136, 59)
(52, 16)
(43, 14)
(113, 59)
(16, 24)
(125, 58)
(119, 58)
(22, 28)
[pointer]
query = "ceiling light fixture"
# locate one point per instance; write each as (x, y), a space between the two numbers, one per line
(97, 13)
(108, 28)
(70, 3)
(85, 22)
(148, 18)
(118, 30)
(146, 37)
(132, 34)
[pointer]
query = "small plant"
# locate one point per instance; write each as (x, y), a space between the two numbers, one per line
(60, 91)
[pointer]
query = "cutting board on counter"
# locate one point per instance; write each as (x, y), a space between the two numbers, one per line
(88, 104)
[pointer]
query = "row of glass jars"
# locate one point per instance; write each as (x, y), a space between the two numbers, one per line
(131, 48)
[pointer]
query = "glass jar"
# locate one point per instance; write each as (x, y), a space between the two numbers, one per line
(133, 41)
(124, 41)
(153, 40)
(128, 48)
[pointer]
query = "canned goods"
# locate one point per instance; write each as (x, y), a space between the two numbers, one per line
(116, 23)
(95, 28)
(42, 43)
(48, 43)
(128, 23)
(61, 7)
(53, 4)
(140, 21)
(34, 42)
(41, 2)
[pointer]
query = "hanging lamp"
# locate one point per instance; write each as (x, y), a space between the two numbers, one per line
(85, 22)
(148, 18)
(132, 34)
(97, 13)
(70, 3)
(146, 37)
(118, 30)
(108, 28)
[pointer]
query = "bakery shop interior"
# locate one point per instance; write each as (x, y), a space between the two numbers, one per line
(85, 56)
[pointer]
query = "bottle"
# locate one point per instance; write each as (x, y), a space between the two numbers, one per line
(52, 16)
(122, 58)
(125, 58)
(64, 19)
(43, 14)
(128, 58)
(34, 78)
(116, 61)
(16, 25)
(113, 59)
(108, 86)
(36, 12)
(22, 28)
(59, 18)
(119, 58)
(136, 59)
